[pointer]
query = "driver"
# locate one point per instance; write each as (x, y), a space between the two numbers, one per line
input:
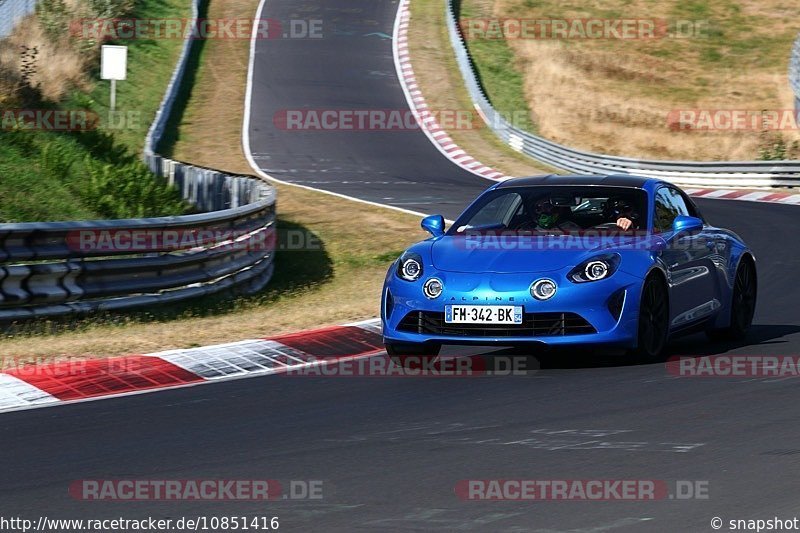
(621, 213)
(548, 217)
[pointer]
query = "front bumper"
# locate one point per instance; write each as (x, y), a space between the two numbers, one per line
(590, 301)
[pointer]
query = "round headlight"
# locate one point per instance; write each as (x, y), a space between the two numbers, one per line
(411, 269)
(544, 289)
(595, 270)
(433, 288)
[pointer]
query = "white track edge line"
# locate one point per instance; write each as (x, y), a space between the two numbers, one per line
(246, 134)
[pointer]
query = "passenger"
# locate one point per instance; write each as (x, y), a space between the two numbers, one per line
(621, 213)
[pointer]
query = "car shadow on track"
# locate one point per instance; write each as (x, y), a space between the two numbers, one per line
(759, 337)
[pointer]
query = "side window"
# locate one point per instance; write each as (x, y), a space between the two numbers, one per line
(665, 210)
(679, 202)
(691, 207)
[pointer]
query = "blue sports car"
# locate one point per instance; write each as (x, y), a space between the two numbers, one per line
(613, 261)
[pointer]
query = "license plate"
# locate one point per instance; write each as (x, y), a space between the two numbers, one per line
(483, 314)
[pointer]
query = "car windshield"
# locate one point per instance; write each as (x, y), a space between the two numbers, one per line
(555, 210)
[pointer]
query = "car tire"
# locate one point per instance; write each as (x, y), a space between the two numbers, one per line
(409, 355)
(653, 323)
(743, 304)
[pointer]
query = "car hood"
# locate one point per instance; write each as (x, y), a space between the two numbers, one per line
(472, 254)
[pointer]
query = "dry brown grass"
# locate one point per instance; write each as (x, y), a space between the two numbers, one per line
(441, 83)
(614, 96)
(59, 67)
(214, 118)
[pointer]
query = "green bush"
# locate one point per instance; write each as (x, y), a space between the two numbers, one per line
(86, 174)
(110, 8)
(54, 17)
(774, 147)
(127, 191)
(48, 175)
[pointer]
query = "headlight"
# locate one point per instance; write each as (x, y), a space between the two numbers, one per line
(433, 288)
(543, 289)
(595, 269)
(409, 267)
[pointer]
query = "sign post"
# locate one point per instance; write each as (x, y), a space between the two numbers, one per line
(113, 66)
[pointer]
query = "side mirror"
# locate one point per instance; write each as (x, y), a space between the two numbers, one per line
(433, 224)
(687, 224)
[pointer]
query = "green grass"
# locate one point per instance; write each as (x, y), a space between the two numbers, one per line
(87, 175)
(495, 65)
(150, 66)
(97, 174)
(731, 39)
(28, 194)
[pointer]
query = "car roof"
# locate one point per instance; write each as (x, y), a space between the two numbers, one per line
(615, 180)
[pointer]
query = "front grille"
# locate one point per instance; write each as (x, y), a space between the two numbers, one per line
(533, 325)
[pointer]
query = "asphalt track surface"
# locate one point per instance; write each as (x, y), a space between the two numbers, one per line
(350, 69)
(391, 450)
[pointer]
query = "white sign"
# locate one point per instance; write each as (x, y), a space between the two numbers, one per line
(113, 62)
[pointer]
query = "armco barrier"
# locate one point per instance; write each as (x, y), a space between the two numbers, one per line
(66, 268)
(743, 174)
(794, 73)
(59, 268)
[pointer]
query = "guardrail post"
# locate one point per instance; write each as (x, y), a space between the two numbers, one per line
(53, 282)
(794, 74)
(11, 287)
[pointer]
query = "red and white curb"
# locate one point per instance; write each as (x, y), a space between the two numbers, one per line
(438, 136)
(746, 195)
(47, 384)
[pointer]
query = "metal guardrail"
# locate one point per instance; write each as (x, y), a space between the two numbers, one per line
(11, 11)
(66, 268)
(794, 73)
(159, 124)
(749, 174)
(59, 268)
